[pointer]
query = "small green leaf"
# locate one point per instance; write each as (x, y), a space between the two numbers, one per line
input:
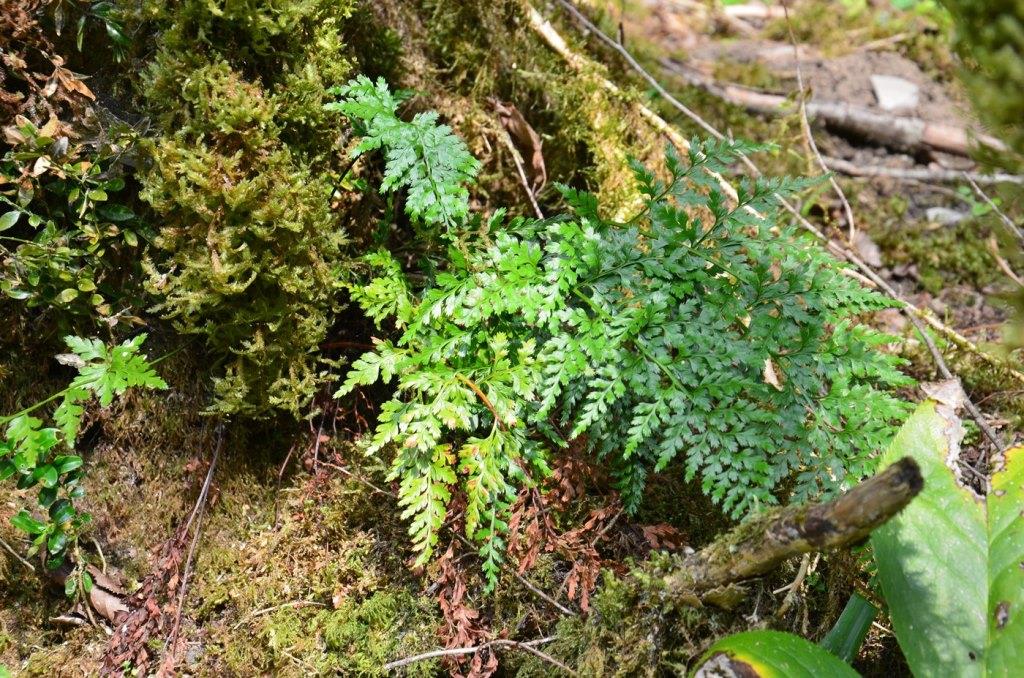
(7, 469)
(47, 496)
(116, 212)
(9, 219)
(771, 654)
(26, 523)
(62, 511)
(57, 542)
(86, 285)
(46, 475)
(67, 463)
(68, 295)
(87, 582)
(97, 194)
(70, 585)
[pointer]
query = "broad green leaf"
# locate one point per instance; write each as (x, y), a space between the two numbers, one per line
(62, 511)
(87, 582)
(950, 564)
(46, 475)
(26, 523)
(9, 219)
(770, 654)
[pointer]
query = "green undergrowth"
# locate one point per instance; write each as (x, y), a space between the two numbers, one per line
(324, 590)
(943, 255)
(921, 33)
(634, 629)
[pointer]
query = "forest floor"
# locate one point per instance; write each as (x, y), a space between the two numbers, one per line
(297, 571)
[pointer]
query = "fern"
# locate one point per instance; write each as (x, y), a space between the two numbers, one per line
(421, 156)
(29, 451)
(700, 332)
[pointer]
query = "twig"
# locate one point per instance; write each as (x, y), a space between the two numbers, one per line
(167, 665)
(268, 610)
(1014, 228)
(901, 132)
(529, 646)
(792, 588)
(631, 60)
(9, 549)
(993, 248)
(522, 580)
(507, 139)
(103, 560)
(805, 125)
(919, 174)
(277, 490)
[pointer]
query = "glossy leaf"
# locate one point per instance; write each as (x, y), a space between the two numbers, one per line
(770, 654)
(9, 219)
(951, 563)
(26, 523)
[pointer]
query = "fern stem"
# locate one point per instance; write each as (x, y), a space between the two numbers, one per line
(483, 398)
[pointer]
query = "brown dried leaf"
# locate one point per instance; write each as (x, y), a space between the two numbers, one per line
(771, 377)
(526, 141)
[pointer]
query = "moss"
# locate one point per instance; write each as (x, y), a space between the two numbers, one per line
(241, 180)
(944, 255)
(922, 34)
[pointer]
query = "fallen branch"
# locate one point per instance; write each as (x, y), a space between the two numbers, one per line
(761, 545)
(528, 646)
(899, 132)
(920, 173)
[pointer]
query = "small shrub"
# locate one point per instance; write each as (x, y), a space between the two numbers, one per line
(696, 329)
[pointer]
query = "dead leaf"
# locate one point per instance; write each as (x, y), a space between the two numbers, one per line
(40, 166)
(71, 83)
(867, 249)
(526, 141)
(771, 377)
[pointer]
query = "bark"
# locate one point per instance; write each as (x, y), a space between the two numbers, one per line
(757, 547)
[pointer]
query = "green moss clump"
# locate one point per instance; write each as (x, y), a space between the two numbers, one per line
(945, 255)
(241, 178)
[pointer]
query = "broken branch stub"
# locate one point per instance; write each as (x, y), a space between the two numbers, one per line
(761, 545)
